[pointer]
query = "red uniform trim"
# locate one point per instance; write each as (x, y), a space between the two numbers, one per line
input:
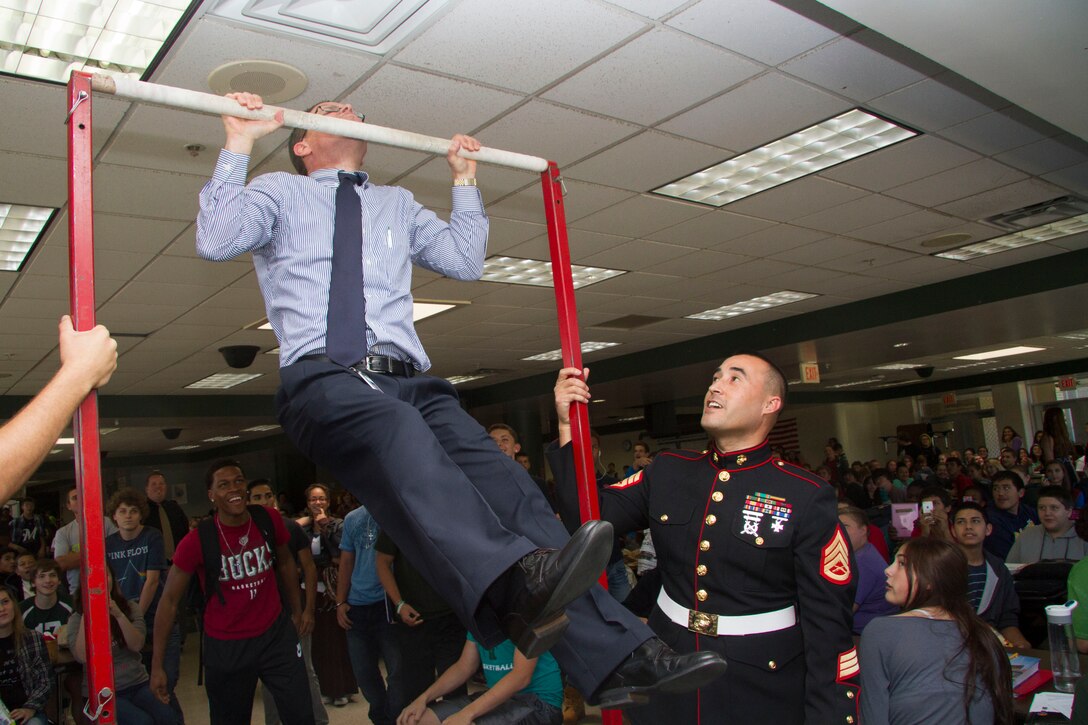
(742, 450)
(807, 477)
(632, 480)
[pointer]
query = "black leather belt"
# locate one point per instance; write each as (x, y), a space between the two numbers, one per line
(381, 364)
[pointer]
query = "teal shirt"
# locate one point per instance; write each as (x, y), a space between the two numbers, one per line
(547, 683)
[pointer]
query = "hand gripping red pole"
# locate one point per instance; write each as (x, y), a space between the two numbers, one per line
(85, 424)
(563, 281)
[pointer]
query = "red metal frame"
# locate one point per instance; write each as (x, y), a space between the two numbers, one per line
(99, 665)
(572, 356)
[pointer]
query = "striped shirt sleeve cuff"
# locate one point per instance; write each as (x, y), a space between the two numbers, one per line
(231, 167)
(467, 198)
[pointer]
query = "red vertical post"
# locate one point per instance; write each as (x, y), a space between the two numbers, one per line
(563, 281)
(95, 594)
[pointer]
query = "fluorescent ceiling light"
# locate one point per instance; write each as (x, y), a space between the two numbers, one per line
(901, 344)
(1077, 335)
(458, 379)
(587, 347)
(630, 418)
(1026, 238)
(847, 136)
(877, 379)
(756, 304)
(539, 274)
(266, 325)
(20, 226)
(260, 428)
(48, 39)
(1006, 352)
(222, 381)
(183, 448)
(220, 439)
(66, 441)
(423, 310)
(899, 366)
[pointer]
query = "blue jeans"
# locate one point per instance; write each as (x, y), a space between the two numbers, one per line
(137, 705)
(171, 664)
(38, 718)
(372, 637)
(619, 586)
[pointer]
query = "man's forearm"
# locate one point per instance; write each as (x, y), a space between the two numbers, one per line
(343, 578)
(164, 622)
(27, 438)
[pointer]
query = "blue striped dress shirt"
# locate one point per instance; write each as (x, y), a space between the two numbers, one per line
(286, 221)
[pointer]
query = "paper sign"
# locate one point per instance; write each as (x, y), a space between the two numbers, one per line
(1053, 702)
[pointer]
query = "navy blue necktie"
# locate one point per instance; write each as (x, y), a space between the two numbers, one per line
(345, 338)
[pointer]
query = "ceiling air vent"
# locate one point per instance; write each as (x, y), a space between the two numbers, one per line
(1047, 212)
(376, 26)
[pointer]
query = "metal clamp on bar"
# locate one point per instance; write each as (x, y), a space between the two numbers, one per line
(80, 98)
(104, 697)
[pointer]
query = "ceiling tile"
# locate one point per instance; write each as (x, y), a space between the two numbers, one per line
(798, 198)
(770, 241)
(861, 212)
(637, 255)
(902, 163)
(975, 232)
(452, 106)
(910, 226)
(923, 270)
(991, 134)
(35, 180)
(581, 200)
(1047, 155)
(709, 230)
(1016, 256)
(430, 184)
(957, 183)
(543, 41)
(813, 281)
(819, 252)
(1074, 178)
(930, 104)
(41, 287)
(640, 215)
(505, 233)
(161, 293)
(608, 86)
(140, 318)
(32, 116)
(699, 263)
(650, 282)
(182, 270)
(765, 31)
(866, 261)
(555, 133)
(762, 110)
(851, 68)
(146, 192)
(649, 8)
(1007, 198)
(646, 162)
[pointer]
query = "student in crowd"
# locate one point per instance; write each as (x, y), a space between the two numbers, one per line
(9, 578)
(937, 662)
(136, 703)
(1077, 586)
(1055, 442)
(1011, 439)
(1059, 473)
(519, 691)
(990, 589)
(24, 567)
(28, 530)
(869, 601)
(25, 672)
(935, 524)
(1055, 538)
(67, 542)
(261, 494)
(46, 611)
(1009, 515)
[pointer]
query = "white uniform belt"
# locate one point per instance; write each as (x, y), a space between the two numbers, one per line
(719, 624)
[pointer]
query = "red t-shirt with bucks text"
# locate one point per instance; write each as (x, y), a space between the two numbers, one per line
(247, 579)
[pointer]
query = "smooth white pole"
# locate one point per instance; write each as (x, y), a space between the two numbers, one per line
(171, 97)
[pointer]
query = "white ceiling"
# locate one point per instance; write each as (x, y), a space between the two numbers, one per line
(625, 95)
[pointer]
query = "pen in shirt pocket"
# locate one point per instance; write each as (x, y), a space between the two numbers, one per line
(389, 237)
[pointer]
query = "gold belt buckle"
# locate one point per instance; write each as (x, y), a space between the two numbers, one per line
(703, 623)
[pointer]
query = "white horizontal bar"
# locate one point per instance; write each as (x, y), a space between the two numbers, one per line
(171, 97)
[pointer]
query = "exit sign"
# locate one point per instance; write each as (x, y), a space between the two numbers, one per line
(1067, 384)
(949, 399)
(810, 372)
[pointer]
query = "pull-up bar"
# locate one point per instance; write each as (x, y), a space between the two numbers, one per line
(80, 89)
(134, 90)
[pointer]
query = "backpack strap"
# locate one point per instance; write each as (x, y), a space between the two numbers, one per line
(263, 520)
(213, 559)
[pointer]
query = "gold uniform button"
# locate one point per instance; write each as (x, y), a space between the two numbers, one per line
(723, 476)
(701, 595)
(717, 496)
(850, 694)
(664, 518)
(741, 460)
(711, 520)
(773, 665)
(780, 463)
(701, 570)
(715, 457)
(849, 720)
(759, 541)
(704, 545)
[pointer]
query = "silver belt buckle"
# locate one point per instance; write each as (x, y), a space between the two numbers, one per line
(703, 623)
(369, 369)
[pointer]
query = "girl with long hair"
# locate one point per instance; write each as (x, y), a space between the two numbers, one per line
(25, 671)
(1056, 444)
(136, 703)
(1011, 439)
(937, 661)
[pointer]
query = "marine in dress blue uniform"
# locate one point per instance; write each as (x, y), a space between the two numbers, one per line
(753, 565)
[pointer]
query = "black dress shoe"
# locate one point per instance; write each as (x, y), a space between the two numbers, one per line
(545, 582)
(654, 668)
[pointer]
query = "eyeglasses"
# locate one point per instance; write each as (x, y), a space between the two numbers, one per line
(327, 109)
